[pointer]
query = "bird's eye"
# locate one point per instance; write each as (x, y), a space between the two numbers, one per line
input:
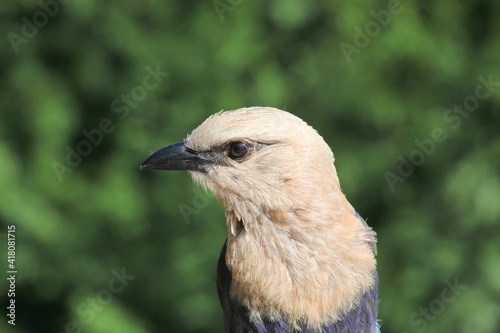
(238, 150)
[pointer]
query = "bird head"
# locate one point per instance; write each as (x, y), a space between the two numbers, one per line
(255, 159)
(287, 217)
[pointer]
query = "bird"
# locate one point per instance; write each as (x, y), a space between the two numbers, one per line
(298, 257)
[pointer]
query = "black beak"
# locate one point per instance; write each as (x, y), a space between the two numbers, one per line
(175, 157)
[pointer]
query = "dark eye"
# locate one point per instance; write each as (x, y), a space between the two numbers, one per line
(238, 150)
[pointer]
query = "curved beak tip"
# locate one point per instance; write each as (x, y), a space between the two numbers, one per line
(174, 157)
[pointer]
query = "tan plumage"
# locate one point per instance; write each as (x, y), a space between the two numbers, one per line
(296, 250)
(303, 252)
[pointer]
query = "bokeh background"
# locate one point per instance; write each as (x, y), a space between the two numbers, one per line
(407, 93)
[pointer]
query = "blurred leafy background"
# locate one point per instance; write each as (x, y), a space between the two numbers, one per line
(371, 76)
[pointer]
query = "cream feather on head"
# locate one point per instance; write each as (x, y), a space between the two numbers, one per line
(296, 249)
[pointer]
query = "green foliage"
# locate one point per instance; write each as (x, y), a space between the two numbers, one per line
(380, 81)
